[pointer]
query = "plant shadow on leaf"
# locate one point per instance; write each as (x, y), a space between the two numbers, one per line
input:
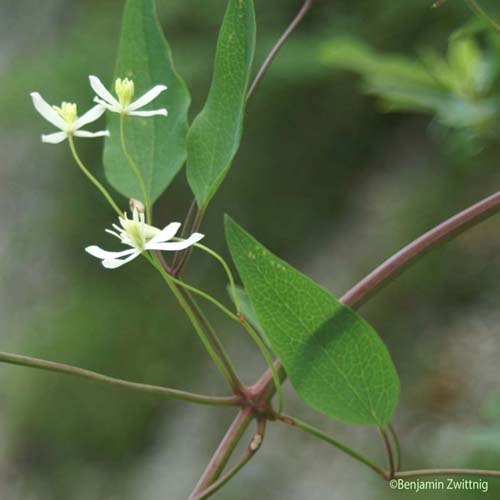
(354, 368)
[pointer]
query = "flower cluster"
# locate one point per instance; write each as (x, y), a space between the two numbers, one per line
(65, 117)
(134, 233)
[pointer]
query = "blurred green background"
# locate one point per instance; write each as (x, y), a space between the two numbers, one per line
(368, 130)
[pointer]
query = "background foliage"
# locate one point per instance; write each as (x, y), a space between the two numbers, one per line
(323, 177)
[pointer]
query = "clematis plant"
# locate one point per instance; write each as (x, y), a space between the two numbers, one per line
(335, 360)
(65, 118)
(125, 90)
(141, 237)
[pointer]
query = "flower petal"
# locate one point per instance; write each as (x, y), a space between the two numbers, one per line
(167, 233)
(55, 138)
(90, 116)
(98, 252)
(162, 112)
(113, 233)
(115, 108)
(147, 97)
(102, 91)
(174, 246)
(86, 133)
(116, 263)
(47, 111)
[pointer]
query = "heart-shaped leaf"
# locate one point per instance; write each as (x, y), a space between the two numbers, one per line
(335, 360)
(215, 135)
(157, 144)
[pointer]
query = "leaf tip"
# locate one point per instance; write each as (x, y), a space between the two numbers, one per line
(229, 223)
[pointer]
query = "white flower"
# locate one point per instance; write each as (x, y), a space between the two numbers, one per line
(140, 236)
(125, 92)
(66, 119)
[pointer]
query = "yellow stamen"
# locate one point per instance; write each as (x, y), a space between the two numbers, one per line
(68, 112)
(135, 231)
(125, 91)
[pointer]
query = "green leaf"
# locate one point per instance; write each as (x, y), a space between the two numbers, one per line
(456, 89)
(215, 135)
(392, 69)
(335, 360)
(157, 144)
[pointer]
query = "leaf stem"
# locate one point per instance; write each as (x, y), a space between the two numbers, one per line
(17, 359)
(294, 422)
(92, 179)
(135, 169)
(397, 446)
(388, 450)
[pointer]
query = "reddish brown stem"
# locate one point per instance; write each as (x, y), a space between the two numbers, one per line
(224, 451)
(447, 472)
(176, 271)
(185, 224)
(409, 254)
(251, 450)
(274, 51)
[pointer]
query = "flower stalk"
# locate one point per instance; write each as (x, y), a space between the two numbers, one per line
(227, 270)
(135, 170)
(207, 335)
(92, 179)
